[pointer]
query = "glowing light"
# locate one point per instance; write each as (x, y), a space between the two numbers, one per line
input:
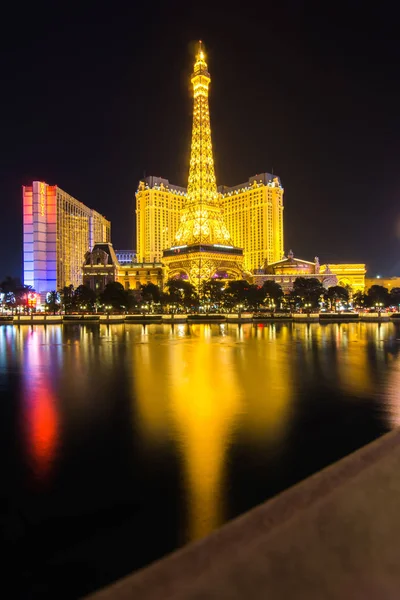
(202, 220)
(42, 199)
(41, 415)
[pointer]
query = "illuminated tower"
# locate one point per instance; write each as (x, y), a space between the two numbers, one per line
(203, 246)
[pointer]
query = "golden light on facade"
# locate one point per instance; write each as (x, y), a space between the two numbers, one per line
(202, 225)
(202, 221)
(205, 400)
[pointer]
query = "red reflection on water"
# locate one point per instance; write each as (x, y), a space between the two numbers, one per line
(40, 414)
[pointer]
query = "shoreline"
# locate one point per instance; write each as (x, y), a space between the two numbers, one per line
(193, 319)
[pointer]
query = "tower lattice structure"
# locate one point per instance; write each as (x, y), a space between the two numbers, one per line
(203, 243)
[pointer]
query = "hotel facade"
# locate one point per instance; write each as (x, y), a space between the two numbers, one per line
(58, 230)
(253, 213)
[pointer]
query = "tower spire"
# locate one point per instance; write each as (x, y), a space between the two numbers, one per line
(202, 220)
(203, 246)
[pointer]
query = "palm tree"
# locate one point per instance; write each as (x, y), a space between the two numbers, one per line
(53, 301)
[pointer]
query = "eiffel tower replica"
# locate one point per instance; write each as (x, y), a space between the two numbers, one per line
(203, 247)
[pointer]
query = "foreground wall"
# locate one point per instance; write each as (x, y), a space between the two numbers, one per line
(333, 536)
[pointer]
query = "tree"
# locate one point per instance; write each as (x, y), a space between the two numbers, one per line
(15, 294)
(272, 293)
(236, 293)
(181, 293)
(395, 297)
(212, 291)
(360, 300)
(254, 296)
(336, 293)
(84, 297)
(115, 296)
(68, 298)
(378, 295)
(53, 301)
(150, 293)
(307, 291)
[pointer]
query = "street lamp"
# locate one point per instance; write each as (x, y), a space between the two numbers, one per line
(240, 306)
(308, 308)
(378, 306)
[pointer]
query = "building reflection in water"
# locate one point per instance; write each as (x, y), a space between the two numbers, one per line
(265, 378)
(202, 389)
(195, 386)
(39, 407)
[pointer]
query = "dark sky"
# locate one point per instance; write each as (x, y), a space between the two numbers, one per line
(93, 98)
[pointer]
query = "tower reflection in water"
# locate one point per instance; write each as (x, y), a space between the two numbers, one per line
(196, 387)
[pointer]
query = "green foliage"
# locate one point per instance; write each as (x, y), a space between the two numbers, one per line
(15, 294)
(53, 301)
(336, 293)
(181, 293)
(307, 291)
(272, 294)
(395, 297)
(150, 293)
(377, 294)
(84, 298)
(68, 298)
(115, 296)
(360, 300)
(236, 294)
(212, 291)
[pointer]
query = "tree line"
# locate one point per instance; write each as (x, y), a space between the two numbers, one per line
(213, 295)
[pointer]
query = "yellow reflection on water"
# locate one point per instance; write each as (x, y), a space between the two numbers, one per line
(266, 381)
(357, 345)
(204, 400)
(149, 377)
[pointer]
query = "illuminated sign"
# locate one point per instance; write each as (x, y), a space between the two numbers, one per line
(32, 299)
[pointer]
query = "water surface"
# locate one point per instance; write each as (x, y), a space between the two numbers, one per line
(123, 442)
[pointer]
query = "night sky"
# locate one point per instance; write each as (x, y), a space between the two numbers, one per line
(94, 98)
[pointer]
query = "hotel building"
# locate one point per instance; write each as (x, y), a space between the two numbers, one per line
(58, 230)
(289, 268)
(158, 210)
(253, 213)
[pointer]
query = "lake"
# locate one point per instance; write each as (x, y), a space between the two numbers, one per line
(122, 443)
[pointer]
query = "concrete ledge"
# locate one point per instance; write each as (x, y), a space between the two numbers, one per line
(335, 535)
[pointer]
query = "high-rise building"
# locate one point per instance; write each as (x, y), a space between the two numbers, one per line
(203, 246)
(253, 213)
(158, 209)
(58, 231)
